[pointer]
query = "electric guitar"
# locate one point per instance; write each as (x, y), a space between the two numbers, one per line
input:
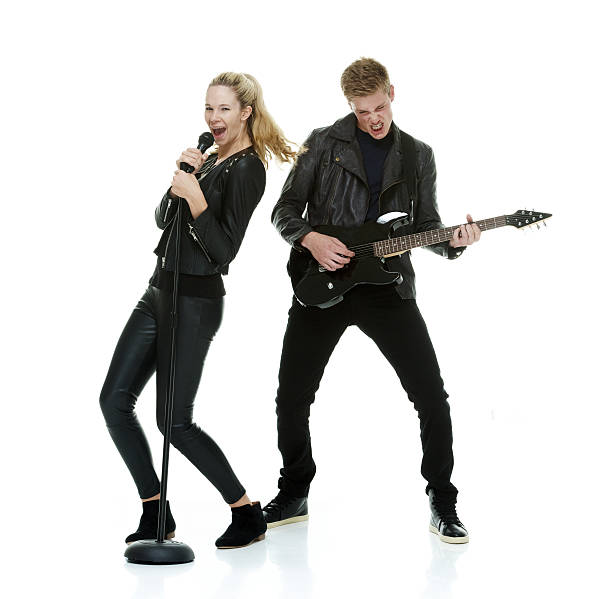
(372, 243)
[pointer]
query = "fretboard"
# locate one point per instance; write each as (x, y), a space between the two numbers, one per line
(397, 245)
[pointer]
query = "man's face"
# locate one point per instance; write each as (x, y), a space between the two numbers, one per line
(374, 114)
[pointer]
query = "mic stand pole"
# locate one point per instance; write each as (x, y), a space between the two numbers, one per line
(162, 551)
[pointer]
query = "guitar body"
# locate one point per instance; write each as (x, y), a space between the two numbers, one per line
(315, 286)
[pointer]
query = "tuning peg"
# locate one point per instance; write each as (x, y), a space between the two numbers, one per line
(538, 226)
(544, 223)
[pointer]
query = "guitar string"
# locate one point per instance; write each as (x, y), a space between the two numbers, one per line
(369, 247)
(367, 250)
(447, 230)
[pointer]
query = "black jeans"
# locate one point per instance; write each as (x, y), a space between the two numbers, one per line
(144, 348)
(399, 331)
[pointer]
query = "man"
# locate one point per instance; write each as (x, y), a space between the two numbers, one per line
(352, 172)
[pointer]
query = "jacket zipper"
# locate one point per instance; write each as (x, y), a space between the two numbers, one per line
(167, 209)
(196, 238)
(333, 197)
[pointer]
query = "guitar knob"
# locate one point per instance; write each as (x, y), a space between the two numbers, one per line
(330, 285)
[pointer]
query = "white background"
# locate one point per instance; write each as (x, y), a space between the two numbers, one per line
(98, 101)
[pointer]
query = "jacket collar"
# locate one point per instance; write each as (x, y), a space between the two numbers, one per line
(351, 159)
(344, 129)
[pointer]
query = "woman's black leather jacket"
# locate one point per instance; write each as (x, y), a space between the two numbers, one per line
(329, 185)
(210, 242)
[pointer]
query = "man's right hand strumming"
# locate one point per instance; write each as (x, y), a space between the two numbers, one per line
(328, 251)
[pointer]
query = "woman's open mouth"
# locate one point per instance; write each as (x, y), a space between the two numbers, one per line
(218, 132)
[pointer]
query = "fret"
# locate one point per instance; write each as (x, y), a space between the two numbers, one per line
(424, 238)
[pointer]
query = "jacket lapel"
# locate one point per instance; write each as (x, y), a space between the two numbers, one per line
(350, 158)
(348, 155)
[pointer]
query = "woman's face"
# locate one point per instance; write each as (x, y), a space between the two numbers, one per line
(224, 117)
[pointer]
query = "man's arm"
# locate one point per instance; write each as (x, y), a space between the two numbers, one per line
(287, 215)
(427, 216)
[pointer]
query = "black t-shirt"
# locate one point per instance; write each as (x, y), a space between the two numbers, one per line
(190, 285)
(374, 152)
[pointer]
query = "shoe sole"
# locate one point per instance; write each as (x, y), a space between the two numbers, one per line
(169, 536)
(454, 540)
(259, 538)
(288, 521)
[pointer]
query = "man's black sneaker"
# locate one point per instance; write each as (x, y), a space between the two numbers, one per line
(285, 509)
(444, 521)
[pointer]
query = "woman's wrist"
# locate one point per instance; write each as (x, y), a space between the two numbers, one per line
(197, 205)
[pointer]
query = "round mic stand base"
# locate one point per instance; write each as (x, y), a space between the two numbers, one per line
(154, 553)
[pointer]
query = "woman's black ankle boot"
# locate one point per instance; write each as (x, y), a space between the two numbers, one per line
(147, 529)
(248, 525)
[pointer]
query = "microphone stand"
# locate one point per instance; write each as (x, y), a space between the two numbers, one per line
(162, 551)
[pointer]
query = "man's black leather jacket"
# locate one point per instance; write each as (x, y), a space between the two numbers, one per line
(328, 185)
(210, 242)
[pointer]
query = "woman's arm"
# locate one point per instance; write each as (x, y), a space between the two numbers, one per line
(223, 236)
(166, 209)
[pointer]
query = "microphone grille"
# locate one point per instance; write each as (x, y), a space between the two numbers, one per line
(206, 140)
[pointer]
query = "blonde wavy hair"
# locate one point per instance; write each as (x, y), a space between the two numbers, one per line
(266, 136)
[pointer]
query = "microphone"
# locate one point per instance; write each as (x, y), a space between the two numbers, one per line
(204, 142)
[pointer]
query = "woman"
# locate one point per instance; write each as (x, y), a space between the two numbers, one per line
(221, 196)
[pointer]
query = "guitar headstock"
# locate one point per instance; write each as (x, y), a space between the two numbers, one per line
(524, 218)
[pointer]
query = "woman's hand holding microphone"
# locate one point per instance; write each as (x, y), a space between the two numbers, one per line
(185, 185)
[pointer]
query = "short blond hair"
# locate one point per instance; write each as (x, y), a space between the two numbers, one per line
(364, 77)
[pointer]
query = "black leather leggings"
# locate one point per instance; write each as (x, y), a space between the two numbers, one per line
(144, 348)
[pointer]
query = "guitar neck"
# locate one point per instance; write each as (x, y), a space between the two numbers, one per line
(399, 245)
